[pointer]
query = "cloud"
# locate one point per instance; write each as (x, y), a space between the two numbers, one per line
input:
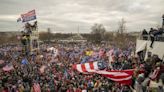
(67, 15)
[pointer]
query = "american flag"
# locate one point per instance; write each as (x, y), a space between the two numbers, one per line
(120, 76)
(154, 75)
(31, 15)
(36, 87)
(8, 67)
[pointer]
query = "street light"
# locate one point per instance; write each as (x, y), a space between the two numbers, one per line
(163, 21)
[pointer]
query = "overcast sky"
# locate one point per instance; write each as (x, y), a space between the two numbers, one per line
(67, 15)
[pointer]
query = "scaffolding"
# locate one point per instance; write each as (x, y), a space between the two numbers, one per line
(30, 38)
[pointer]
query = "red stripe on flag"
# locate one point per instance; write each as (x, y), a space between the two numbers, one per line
(91, 66)
(129, 71)
(127, 80)
(83, 67)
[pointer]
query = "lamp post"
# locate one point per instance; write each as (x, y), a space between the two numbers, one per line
(49, 35)
(163, 21)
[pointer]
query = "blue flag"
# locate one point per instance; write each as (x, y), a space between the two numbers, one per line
(84, 59)
(65, 73)
(24, 61)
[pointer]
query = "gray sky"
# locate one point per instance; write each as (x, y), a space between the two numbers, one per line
(66, 15)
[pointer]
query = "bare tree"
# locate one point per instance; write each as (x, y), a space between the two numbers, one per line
(122, 26)
(98, 31)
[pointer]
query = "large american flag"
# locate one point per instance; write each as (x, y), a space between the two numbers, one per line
(120, 76)
(31, 15)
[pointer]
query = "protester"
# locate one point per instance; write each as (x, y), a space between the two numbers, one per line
(145, 34)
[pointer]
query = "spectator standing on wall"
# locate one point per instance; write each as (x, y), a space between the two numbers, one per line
(144, 34)
(151, 37)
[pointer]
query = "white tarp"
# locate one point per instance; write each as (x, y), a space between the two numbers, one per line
(141, 47)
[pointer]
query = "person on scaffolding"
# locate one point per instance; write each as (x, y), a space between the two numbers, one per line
(28, 31)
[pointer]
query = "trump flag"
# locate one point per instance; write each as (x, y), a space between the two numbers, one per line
(31, 15)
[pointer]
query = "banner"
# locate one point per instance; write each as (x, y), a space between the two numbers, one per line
(28, 16)
(24, 61)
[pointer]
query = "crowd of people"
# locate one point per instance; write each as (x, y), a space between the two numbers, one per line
(47, 70)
